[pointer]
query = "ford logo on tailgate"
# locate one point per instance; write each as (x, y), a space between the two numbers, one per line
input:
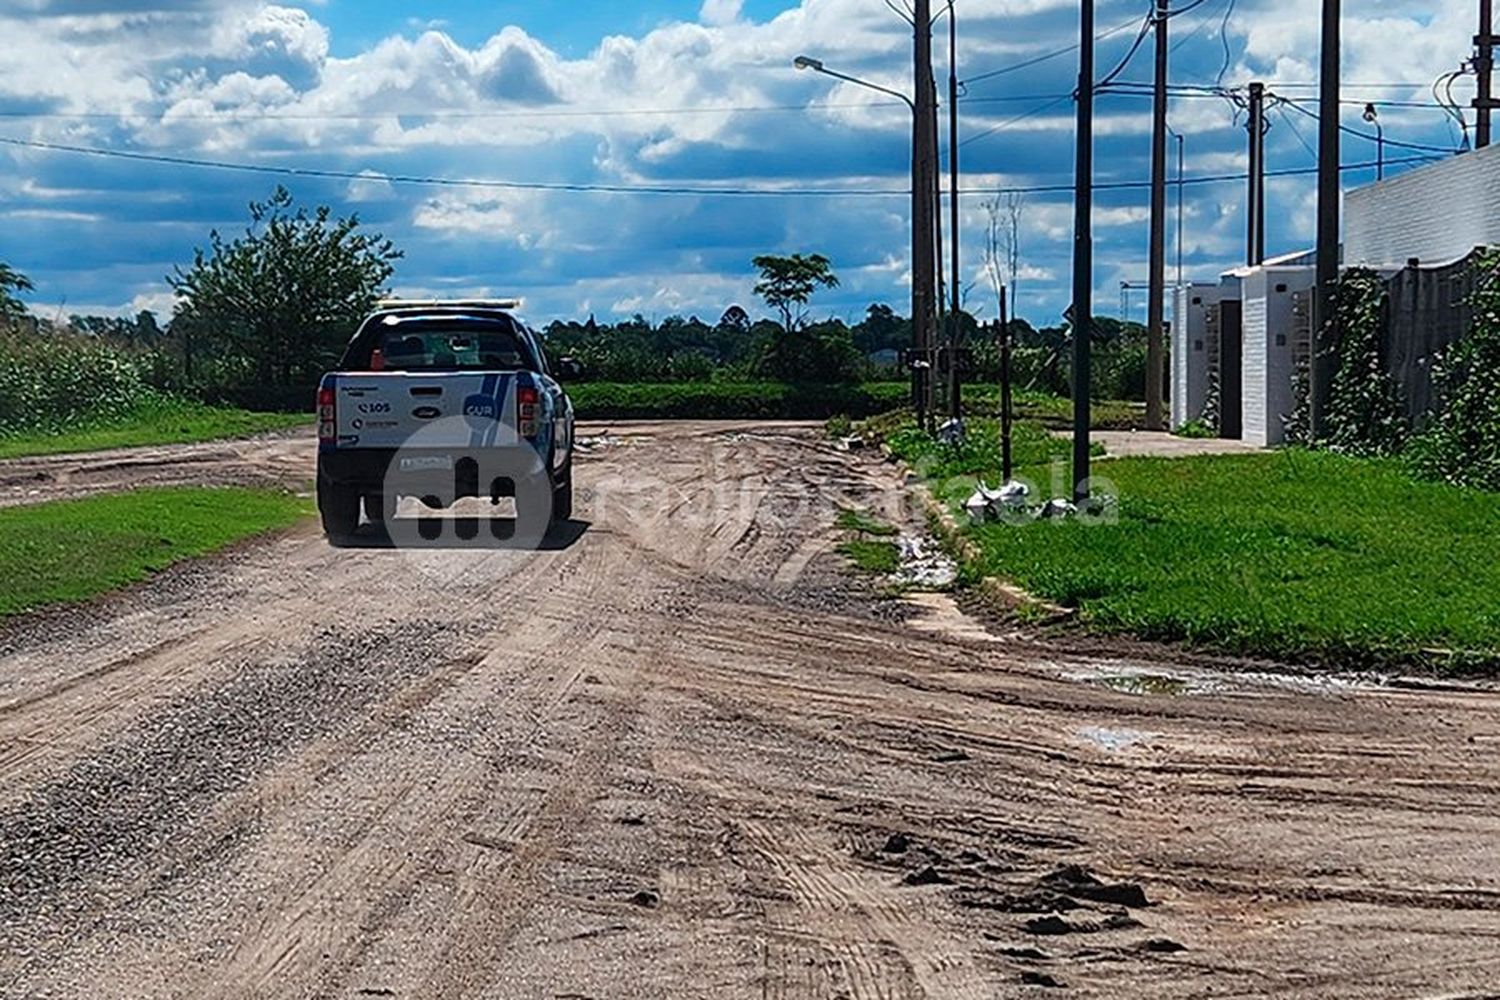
(427, 413)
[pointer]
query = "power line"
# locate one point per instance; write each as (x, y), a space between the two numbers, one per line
(1045, 57)
(1017, 119)
(239, 117)
(329, 174)
(1348, 130)
(580, 188)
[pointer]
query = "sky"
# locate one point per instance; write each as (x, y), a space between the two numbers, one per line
(608, 158)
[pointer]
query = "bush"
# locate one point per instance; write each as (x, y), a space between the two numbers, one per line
(59, 380)
(1365, 416)
(1462, 444)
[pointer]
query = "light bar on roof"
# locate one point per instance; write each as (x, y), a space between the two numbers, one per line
(449, 304)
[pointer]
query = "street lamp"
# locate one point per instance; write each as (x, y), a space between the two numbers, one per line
(1181, 191)
(1372, 115)
(816, 65)
(920, 210)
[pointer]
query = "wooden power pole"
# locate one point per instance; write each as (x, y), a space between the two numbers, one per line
(924, 209)
(1325, 332)
(1156, 309)
(1255, 239)
(1484, 67)
(1083, 255)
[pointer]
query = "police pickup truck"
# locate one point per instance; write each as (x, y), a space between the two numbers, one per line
(441, 401)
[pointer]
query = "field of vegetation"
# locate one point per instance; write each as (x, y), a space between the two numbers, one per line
(73, 550)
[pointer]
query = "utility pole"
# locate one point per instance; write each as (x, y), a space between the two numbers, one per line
(1083, 254)
(1006, 461)
(942, 330)
(1255, 240)
(955, 386)
(924, 173)
(1325, 332)
(1484, 66)
(1181, 199)
(1156, 310)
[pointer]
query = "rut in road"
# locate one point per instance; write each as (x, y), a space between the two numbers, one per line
(687, 755)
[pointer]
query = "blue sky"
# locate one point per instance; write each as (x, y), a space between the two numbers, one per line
(695, 94)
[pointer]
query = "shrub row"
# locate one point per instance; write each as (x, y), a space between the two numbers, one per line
(733, 400)
(66, 381)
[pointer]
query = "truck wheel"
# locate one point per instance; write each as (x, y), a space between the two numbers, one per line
(562, 493)
(339, 508)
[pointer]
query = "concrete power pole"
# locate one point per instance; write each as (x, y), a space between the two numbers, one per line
(1156, 310)
(1255, 240)
(1325, 332)
(1484, 65)
(1083, 255)
(924, 180)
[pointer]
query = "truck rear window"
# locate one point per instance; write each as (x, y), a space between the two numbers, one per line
(434, 347)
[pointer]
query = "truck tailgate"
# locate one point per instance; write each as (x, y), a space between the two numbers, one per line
(384, 409)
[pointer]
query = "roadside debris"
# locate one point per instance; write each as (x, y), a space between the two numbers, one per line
(598, 442)
(986, 503)
(854, 442)
(923, 564)
(951, 433)
(1011, 503)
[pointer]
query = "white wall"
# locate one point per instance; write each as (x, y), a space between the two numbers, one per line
(1436, 213)
(1269, 361)
(1189, 353)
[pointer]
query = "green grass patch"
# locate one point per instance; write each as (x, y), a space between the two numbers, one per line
(979, 455)
(1196, 430)
(73, 550)
(163, 420)
(1311, 557)
(860, 522)
(881, 558)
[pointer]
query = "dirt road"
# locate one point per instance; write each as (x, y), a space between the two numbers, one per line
(680, 754)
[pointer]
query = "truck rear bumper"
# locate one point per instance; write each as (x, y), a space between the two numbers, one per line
(446, 473)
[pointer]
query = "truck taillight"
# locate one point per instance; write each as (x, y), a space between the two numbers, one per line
(328, 429)
(527, 402)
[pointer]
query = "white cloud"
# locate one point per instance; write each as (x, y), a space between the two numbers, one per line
(720, 12)
(253, 81)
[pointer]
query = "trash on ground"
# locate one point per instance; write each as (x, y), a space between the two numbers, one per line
(923, 564)
(1058, 509)
(853, 442)
(986, 503)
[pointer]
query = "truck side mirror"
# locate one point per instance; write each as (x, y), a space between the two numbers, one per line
(569, 370)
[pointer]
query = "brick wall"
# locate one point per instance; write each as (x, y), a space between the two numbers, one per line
(1436, 213)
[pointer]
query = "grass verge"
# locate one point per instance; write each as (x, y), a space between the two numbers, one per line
(871, 548)
(1309, 557)
(73, 550)
(165, 421)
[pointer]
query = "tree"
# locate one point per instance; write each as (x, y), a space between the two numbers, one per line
(735, 319)
(11, 282)
(787, 284)
(287, 295)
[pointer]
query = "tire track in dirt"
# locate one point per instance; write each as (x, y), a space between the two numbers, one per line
(685, 757)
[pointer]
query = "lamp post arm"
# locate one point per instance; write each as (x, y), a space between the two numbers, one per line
(866, 84)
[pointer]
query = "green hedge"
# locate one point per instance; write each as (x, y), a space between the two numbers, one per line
(733, 400)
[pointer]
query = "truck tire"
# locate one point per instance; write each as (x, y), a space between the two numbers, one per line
(562, 493)
(339, 509)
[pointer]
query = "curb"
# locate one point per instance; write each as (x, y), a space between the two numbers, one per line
(997, 591)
